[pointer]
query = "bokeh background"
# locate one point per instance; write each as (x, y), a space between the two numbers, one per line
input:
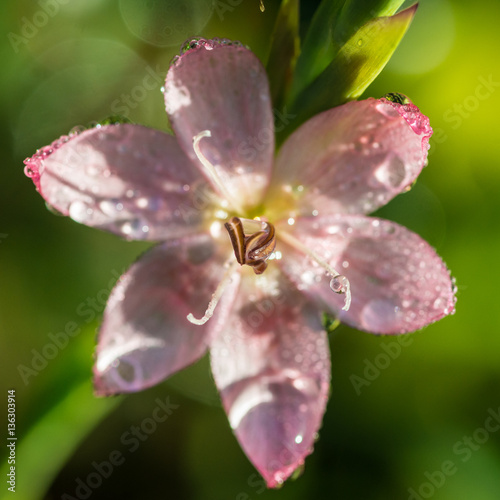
(425, 411)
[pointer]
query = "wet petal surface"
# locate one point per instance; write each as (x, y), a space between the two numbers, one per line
(271, 364)
(127, 179)
(145, 335)
(398, 282)
(351, 159)
(223, 88)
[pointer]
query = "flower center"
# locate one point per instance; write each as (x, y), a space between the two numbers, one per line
(253, 242)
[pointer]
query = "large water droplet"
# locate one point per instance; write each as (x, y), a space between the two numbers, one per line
(339, 284)
(381, 315)
(391, 172)
(79, 211)
(126, 371)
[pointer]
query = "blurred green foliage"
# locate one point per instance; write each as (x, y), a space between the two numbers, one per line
(85, 60)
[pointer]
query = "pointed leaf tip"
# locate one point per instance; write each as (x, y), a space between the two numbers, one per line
(357, 63)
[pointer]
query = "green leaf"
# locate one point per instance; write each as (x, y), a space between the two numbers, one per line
(333, 24)
(356, 65)
(355, 13)
(45, 447)
(317, 51)
(285, 46)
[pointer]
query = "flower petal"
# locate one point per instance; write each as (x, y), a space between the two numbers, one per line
(127, 179)
(271, 364)
(222, 87)
(351, 159)
(145, 335)
(398, 282)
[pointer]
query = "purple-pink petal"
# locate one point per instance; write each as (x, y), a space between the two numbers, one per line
(222, 87)
(398, 282)
(271, 364)
(127, 179)
(145, 335)
(351, 159)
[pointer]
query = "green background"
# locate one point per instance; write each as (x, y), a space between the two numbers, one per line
(376, 442)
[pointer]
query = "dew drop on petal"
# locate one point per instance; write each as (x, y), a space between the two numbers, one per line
(79, 211)
(391, 172)
(126, 371)
(439, 303)
(380, 315)
(110, 207)
(53, 210)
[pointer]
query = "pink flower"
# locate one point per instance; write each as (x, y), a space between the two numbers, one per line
(259, 239)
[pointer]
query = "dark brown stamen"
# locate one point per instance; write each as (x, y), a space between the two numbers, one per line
(252, 250)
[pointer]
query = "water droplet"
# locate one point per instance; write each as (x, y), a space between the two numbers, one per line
(126, 371)
(439, 304)
(53, 210)
(77, 130)
(381, 315)
(142, 202)
(110, 207)
(79, 211)
(339, 284)
(391, 172)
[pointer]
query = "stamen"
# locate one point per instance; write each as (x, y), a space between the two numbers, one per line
(338, 284)
(219, 291)
(251, 248)
(211, 170)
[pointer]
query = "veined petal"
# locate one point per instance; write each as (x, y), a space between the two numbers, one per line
(222, 87)
(271, 364)
(351, 159)
(145, 335)
(398, 282)
(124, 178)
